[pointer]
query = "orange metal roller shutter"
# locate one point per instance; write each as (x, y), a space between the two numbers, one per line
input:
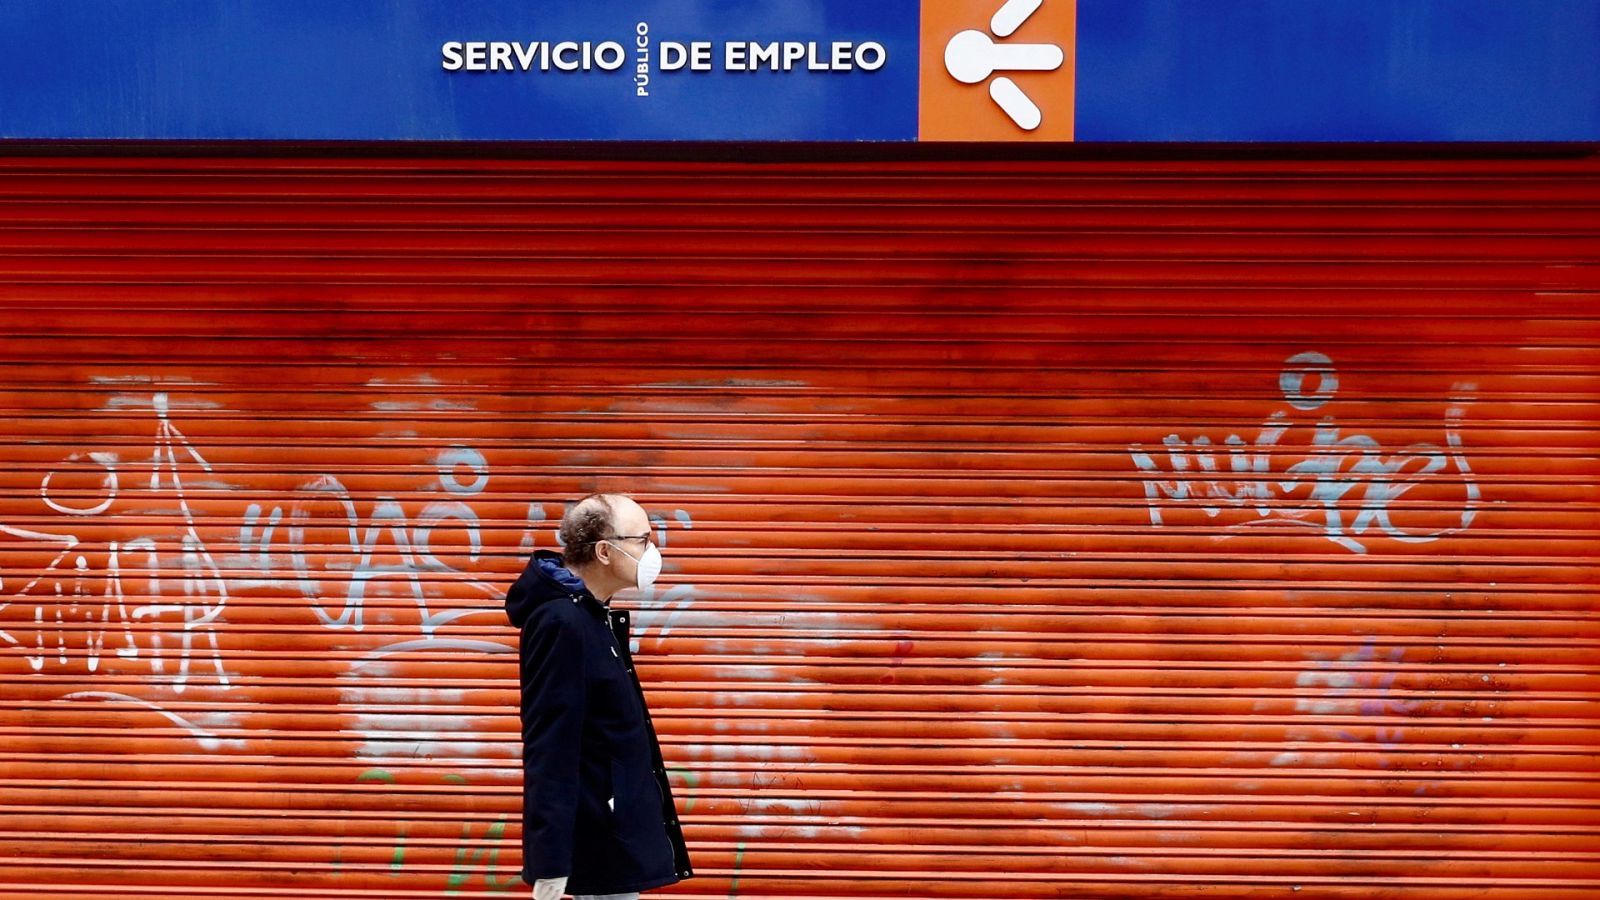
(1033, 530)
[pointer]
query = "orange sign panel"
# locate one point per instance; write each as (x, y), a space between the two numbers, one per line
(998, 71)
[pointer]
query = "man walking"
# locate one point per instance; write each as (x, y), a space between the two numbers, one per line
(597, 814)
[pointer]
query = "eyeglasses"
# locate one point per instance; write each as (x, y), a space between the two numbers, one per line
(630, 537)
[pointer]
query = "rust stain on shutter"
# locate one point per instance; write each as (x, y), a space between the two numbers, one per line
(1033, 530)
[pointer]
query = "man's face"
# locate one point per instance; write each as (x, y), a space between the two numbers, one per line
(631, 530)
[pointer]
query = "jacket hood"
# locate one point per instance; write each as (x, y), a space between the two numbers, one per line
(546, 578)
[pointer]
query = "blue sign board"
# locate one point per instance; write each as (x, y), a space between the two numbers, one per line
(802, 70)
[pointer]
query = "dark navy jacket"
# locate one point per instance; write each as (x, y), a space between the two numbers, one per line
(595, 801)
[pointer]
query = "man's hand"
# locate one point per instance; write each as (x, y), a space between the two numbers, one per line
(549, 888)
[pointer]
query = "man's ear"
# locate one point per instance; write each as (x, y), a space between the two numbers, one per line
(602, 553)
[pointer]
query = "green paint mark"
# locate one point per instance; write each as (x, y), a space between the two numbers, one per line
(692, 779)
(488, 851)
(399, 859)
(738, 863)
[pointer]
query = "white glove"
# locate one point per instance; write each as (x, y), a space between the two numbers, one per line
(549, 888)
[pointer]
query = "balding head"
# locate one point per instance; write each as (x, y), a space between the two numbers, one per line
(596, 518)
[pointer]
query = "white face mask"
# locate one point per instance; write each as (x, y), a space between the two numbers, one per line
(649, 567)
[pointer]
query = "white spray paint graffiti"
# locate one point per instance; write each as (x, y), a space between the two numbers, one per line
(204, 592)
(1338, 465)
(323, 543)
(386, 531)
(182, 579)
(205, 736)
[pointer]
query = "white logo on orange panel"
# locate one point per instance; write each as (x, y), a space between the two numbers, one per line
(973, 56)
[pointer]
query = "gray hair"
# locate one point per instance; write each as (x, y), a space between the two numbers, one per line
(586, 523)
